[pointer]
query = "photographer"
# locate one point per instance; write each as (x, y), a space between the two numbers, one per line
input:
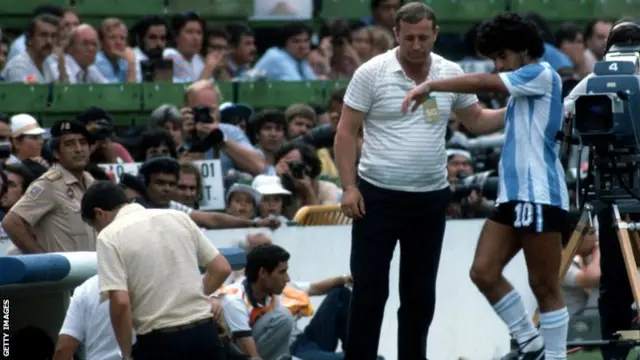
(99, 123)
(298, 167)
(207, 138)
(615, 294)
(467, 202)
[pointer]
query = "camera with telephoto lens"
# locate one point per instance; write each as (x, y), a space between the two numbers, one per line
(202, 114)
(485, 183)
(298, 169)
(156, 68)
(5, 150)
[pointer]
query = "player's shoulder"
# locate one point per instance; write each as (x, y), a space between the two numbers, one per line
(377, 63)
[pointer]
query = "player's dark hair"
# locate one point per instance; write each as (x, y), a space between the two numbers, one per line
(105, 195)
(509, 31)
(264, 256)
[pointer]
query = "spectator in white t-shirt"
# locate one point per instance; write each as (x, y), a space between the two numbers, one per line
(88, 323)
(189, 30)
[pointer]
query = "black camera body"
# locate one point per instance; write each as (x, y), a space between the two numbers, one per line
(298, 169)
(156, 68)
(202, 114)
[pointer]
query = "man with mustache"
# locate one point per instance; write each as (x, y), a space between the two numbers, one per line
(30, 66)
(47, 218)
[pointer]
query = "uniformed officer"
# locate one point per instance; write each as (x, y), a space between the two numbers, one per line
(47, 218)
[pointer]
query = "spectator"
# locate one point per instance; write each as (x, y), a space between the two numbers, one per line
(217, 49)
(322, 114)
(116, 60)
(360, 39)
(288, 61)
(270, 132)
(242, 49)
(156, 142)
(103, 150)
(5, 128)
(26, 138)
(242, 201)
(216, 140)
(4, 186)
(319, 63)
(273, 197)
(30, 66)
(570, 39)
(150, 37)
(595, 36)
(69, 21)
(345, 59)
(384, 13)
(19, 177)
(468, 204)
(301, 118)
(298, 167)
(188, 64)
(4, 53)
(381, 41)
(19, 45)
(160, 176)
(189, 185)
(77, 65)
(236, 114)
(168, 117)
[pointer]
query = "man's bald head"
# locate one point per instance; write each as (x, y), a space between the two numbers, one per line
(83, 44)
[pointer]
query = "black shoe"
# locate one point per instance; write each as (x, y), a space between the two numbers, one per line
(531, 355)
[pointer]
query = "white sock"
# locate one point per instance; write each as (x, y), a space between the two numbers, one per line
(554, 326)
(511, 309)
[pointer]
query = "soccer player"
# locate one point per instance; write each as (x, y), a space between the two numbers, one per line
(533, 199)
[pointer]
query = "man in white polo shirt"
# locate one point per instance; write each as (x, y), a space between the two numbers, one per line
(402, 192)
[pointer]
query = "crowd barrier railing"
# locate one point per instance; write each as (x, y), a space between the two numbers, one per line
(321, 215)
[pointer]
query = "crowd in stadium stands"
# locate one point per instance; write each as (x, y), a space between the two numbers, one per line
(273, 161)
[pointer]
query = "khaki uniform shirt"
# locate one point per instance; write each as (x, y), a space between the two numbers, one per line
(154, 254)
(51, 205)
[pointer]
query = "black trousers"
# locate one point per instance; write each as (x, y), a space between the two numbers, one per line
(418, 221)
(615, 292)
(194, 342)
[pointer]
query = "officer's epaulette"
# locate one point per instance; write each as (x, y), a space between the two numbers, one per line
(53, 175)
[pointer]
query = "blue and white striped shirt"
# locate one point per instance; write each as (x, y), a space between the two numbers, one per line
(530, 169)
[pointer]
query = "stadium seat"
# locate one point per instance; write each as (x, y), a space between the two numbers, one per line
(281, 94)
(321, 215)
(156, 94)
(18, 98)
(354, 9)
(119, 8)
(558, 10)
(26, 7)
(227, 9)
(112, 97)
(472, 10)
(614, 9)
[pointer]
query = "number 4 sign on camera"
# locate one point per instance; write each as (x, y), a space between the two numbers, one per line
(212, 181)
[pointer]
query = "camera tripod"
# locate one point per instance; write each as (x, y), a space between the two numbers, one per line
(627, 233)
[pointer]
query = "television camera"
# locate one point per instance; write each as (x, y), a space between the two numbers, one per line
(606, 119)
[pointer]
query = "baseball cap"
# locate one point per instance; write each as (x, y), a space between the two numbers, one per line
(269, 185)
(230, 113)
(25, 124)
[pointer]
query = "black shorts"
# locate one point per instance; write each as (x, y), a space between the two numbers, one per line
(530, 217)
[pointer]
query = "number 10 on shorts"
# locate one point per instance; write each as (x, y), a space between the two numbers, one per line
(523, 215)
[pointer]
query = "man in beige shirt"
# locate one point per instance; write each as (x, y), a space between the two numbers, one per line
(148, 263)
(47, 218)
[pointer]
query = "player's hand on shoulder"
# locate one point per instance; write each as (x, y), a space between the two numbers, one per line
(417, 96)
(352, 203)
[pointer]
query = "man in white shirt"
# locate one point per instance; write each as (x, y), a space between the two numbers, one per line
(87, 322)
(148, 268)
(76, 66)
(402, 192)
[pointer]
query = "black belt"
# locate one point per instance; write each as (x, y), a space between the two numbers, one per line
(173, 329)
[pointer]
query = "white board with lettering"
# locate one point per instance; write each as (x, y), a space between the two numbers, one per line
(212, 180)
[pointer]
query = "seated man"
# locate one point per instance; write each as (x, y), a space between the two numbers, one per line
(262, 308)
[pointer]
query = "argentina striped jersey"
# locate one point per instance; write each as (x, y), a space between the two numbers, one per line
(530, 169)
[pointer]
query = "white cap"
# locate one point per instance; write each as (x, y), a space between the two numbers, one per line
(269, 185)
(25, 124)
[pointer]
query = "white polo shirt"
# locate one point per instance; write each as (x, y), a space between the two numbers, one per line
(403, 152)
(88, 322)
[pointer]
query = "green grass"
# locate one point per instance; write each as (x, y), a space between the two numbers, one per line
(595, 355)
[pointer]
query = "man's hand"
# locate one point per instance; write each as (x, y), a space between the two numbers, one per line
(191, 156)
(418, 95)
(216, 309)
(353, 203)
(214, 59)
(269, 222)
